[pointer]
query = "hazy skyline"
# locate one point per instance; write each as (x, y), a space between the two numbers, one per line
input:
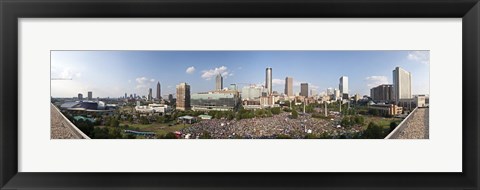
(114, 73)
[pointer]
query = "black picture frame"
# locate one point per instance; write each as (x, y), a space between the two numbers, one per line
(11, 10)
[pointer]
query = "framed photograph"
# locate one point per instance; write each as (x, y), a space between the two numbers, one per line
(229, 94)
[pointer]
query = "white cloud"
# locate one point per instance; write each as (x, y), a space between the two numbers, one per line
(419, 56)
(278, 82)
(209, 74)
(143, 84)
(373, 81)
(190, 70)
(64, 73)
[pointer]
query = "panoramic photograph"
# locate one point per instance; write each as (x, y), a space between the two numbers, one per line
(254, 94)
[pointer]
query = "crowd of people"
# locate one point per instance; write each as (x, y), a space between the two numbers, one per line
(277, 126)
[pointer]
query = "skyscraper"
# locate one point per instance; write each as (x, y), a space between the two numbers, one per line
(382, 93)
(159, 92)
(343, 87)
(330, 91)
(90, 95)
(402, 84)
(268, 80)
(80, 96)
(289, 86)
(183, 96)
(125, 96)
(150, 96)
(219, 82)
(304, 89)
(313, 92)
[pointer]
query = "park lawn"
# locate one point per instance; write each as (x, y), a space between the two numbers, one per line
(158, 128)
(382, 121)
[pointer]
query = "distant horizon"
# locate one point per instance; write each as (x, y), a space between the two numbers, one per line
(114, 73)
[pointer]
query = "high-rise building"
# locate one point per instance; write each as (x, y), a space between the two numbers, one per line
(289, 86)
(313, 92)
(219, 82)
(336, 94)
(251, 92)
(150, 96)
(170, 97)
(183, 96)
(159, 91)
(90, 95)
(382, 93)
(268, 80)
(330, 91)
(80, 96)
(304, 89)
(125, 96)
(402, 84)
(343, 86)
(232, 87)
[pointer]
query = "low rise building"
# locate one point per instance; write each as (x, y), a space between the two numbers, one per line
(216, 100)
(386, 109)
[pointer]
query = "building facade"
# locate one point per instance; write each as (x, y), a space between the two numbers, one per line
(289, 86)
(382, 93)
(343, 86)
(402, 84)
(268, 80)
(159, 91)
(215, 101)
(150, 96)
(304, 89)
(90, 95)
(232, 87)
(219, 82)
(183, 96)
(80, 96)
(252, 92)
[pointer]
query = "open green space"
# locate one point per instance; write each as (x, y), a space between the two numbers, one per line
(158, 128)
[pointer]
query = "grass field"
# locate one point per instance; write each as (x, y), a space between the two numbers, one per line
(158, 128)
(382, 121)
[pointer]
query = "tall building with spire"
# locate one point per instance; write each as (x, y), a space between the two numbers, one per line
(268, 80)
(289, 86)
(219, 82)
(159, 91)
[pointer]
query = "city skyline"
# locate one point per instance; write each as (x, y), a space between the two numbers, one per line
(134, 72)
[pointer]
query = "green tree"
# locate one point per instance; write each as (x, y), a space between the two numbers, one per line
(294, 114)
(205, 135)
(161, 119)
(345, 122)
(283, 136)
(393, 125)
(114, 123)
(310, 136)
(170, 135)
(276, 110)
(373, 131)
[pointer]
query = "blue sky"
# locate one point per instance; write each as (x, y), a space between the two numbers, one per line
(114, 73)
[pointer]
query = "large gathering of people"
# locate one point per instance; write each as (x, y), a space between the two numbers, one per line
(277, 126)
